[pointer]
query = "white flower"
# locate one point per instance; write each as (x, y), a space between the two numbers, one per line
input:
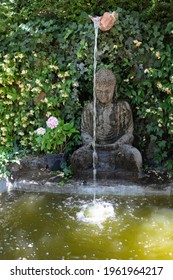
(137, 43)
(24, 72)
(9, 96)
(3, 129)
(158, 54)
(146, 70)
(40, 131)
(38, 82)
(21, 133)
(48, 114)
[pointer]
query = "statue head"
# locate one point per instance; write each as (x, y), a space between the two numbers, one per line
(105, 85)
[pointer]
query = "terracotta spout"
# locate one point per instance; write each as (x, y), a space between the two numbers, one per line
(106, 21)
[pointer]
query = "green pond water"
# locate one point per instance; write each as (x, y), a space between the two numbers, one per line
(51, 226)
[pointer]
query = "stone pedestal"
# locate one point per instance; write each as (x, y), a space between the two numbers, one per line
(111, 174)
(107, 167)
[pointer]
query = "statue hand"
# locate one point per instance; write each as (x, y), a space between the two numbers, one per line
(109, 147)
(89, 145)
(114, 146)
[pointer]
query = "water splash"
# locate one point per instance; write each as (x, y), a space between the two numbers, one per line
(96, 212)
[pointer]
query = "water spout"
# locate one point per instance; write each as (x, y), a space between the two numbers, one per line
(106, 21)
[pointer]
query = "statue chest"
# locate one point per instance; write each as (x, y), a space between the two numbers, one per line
(106, 125)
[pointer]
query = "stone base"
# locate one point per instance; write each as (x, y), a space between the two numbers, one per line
(109, 174)
(122, 164)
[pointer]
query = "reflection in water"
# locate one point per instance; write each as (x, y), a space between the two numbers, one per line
(50, 226)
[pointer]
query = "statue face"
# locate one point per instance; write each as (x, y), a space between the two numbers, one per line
(105, 93)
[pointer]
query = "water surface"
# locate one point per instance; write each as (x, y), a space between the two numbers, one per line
(46, 226)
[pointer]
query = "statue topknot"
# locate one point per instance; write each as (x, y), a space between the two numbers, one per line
(106, 77)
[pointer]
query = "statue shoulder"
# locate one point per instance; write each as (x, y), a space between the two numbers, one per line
(124, 105)
(88, 106)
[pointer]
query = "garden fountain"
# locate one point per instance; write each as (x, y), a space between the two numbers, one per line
(106, 127)
(43, 220)
(107, 132)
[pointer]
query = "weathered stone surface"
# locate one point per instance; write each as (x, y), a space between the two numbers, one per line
(116, 156)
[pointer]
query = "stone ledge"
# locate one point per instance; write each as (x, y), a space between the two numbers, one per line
(103, 187)
(32, 175)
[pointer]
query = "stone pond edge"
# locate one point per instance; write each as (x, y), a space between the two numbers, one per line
(79, 188)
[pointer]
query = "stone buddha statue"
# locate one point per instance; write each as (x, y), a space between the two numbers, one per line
(114, 135)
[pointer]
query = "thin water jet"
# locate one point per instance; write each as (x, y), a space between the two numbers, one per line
(96, 27)
(104, 23)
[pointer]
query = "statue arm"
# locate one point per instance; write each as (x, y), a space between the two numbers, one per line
(127, 138)
(86, 125)
(125, 122)
(126, 125)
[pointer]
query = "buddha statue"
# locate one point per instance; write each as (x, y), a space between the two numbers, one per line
(114, 134)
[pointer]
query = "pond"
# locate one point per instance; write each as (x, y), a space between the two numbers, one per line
(42, 226)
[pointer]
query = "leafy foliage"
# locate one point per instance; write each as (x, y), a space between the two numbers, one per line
(55, 140)
(65, 10)
(46, 68)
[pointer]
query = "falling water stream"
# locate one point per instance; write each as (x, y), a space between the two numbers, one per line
(96, 26)
(97, 211)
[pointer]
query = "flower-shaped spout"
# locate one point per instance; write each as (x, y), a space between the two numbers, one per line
(106, 21)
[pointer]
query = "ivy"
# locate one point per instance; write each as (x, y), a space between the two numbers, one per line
(46, 68)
